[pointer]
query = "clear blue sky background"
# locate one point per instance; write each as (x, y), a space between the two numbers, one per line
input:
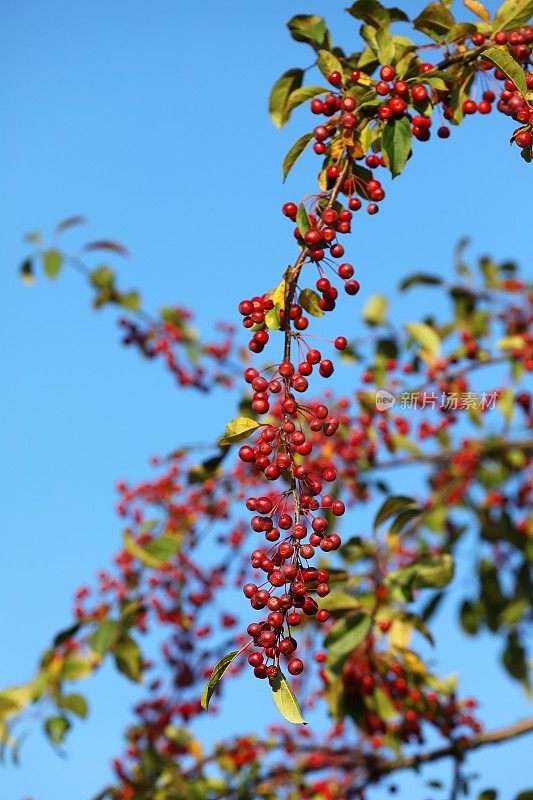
(150, 119)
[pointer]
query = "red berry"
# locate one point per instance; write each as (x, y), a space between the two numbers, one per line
(335, 78)
(295, 666)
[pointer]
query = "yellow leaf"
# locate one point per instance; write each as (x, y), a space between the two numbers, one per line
(278, 294)
(478, 9)
(323, 180)
(400, 634)
(195, 749)
(336, 147)
(414, 662)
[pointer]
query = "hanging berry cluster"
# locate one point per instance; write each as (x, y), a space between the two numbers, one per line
(366, 119)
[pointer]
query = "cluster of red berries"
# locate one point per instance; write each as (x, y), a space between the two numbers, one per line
(289, 518)
(367, 670)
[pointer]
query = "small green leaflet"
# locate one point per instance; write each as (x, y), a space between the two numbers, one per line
(285, 699)
(216, 677)
(309, 300)
(511, 68)
(75, 703)
(294, 153)
(425, 336)
(328, 63)
(52, 262)
(238, 429)
(102, 278)
(396, 143)
(56, 728)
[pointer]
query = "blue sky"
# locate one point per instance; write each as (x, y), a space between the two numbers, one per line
(151, 121)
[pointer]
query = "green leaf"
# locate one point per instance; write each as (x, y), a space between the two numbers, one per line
(383, 704)
(140, 552)
(285, 699)
(527, 795)
(284, 86)
(105, 636)
(385, 45)
(216, 677)
(373, 13)
(273, 318)
(512, 14)
(309, 300)
(396, 143)
(328, 63)
(130, 300)
(391, 507)
(470, 615)
(52, 262)
(308, 28)
(102, 278)
(375, 309)
(75, 703)
(488, 794)
(346, 635)
(299, 96)
(128, 658)
(302, 220)
(420, 279)
(403, 518)
(511, 68)
(209, 468)
(436, 21)
(506, 404)
(430, 572)
(14, 699)
(295, 152)
(339, 601)
(237, 430)
(425, 336)
(56, 728)
(76, 667)
(163, 547)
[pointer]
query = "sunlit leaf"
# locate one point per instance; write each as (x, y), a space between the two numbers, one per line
(216, 677)
(285, 699)
(238, 429)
